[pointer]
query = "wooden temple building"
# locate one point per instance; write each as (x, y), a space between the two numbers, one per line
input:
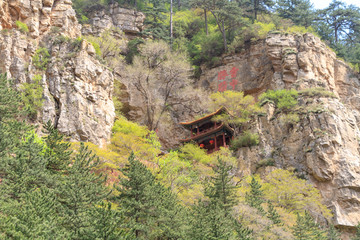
(209, 134)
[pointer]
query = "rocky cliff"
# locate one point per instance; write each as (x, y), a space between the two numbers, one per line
(103, 18)
(77, 88)
(323, 146)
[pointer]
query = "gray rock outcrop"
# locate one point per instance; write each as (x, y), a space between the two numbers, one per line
(324, 145)
(77, 88)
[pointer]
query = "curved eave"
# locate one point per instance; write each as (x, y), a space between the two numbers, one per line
(205, 134)
(185, 124)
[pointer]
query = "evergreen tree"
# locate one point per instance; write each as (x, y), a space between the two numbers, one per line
(221, 189)
(150, 210)
(273, 215)
(57, 151)
(306, 228)
(35, 217)
(227, 15)
(80, 190)
(357, 235)
(23, 170)
(255, 197)
(301, 12)
(155, 20)
(212, 219)
(106, 223)
(11, 130)
(332, 233)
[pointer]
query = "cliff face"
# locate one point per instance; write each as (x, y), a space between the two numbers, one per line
(101, 19)
(324, 145)
(77, 88)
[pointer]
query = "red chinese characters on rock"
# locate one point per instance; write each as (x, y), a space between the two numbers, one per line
(222, 86)
(222, 75)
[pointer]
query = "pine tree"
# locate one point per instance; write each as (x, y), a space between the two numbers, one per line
(35, 217)
(11, 130)
(212, 219)
(23, 170)
(357, 235)
(221, 189)
(106, 223)
(306, 228)
(273, 215)
(80, 190)
(57, 151)
(255, 197)
(332, 233)
(150, 210)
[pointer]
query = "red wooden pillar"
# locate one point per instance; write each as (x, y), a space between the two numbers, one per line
(215, 143)
(224, 141)
(197, 129)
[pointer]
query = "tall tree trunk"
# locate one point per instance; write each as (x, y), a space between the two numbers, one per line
(256, 5)
(221, 29)
(224, 35)
(135, 4)
(179, 4)
(206, 22)
(171, 22)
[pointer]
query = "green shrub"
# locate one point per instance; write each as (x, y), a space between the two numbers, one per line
(247, 139)
(41, 58)
(22, 26)
(31, 96)
(283, 99)
(83, 19)
(265, 162)
(317, 92)
(290, 118)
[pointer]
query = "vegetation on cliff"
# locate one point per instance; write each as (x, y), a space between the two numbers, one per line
(206, 29)
(52, 190)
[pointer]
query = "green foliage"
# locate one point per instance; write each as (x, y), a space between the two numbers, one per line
(83, 19)
(150, 210)
(283, 99)
(193, 152)
(357, 234)
(22, 26)
(285, 190)
(41, 58)
(212, 219)
(301, 12)
(317, 92)
(239, 108)
(273, 215)
(221, 188)
(10, 100)
(256, 195)
(32, 96)
(306, 228)
(289, 119)
(133, 49)
(246, 139)
(57, 151)
(333, 233)
(265, 162)
(108, 46)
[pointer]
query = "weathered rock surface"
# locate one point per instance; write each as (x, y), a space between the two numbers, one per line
(101, 19)
(40, 16)
(78, 93)
(324, 145)
(77, 88)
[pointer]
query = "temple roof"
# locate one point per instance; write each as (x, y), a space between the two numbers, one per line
(207, 117)
(211, 131)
